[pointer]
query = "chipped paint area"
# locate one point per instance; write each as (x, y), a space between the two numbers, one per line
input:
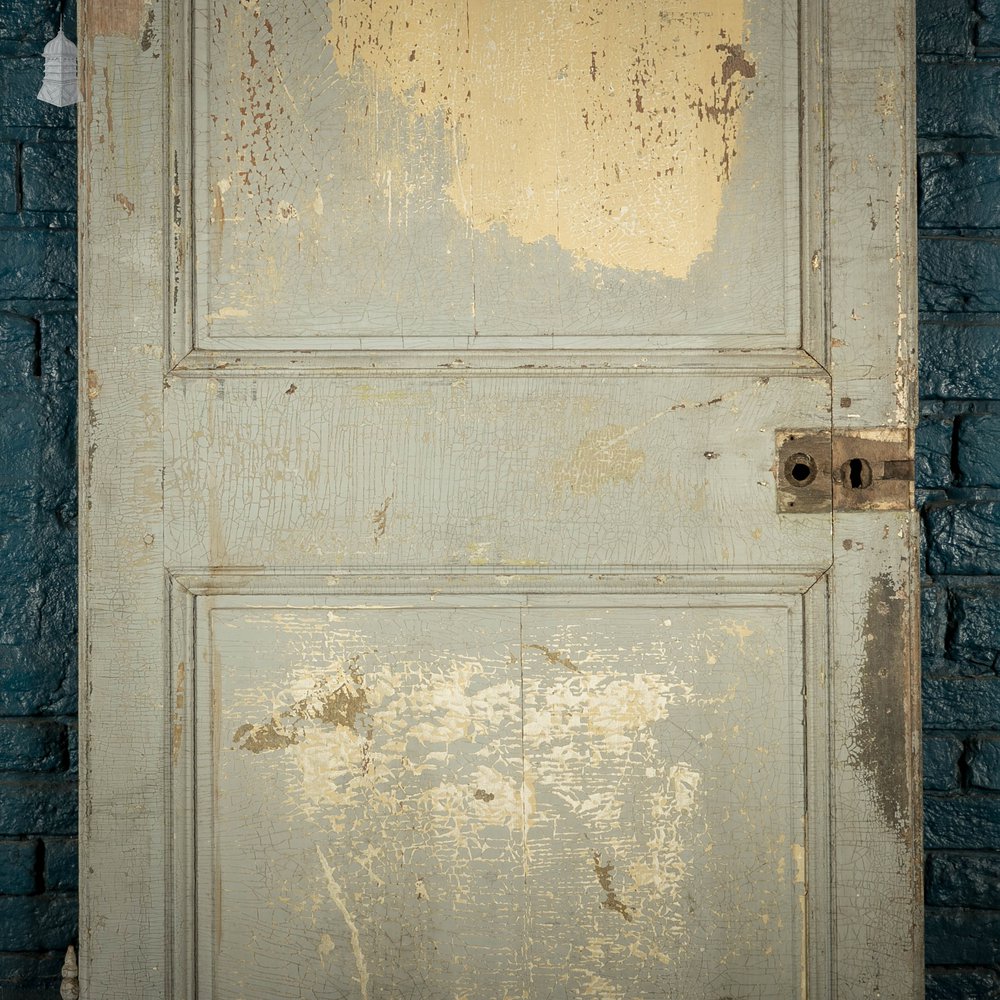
(880, 729)
(611, 129)
(124, 18)
(522, 800)
(603, 457)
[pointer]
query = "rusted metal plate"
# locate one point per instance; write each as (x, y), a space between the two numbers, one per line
(845, 470)
(873, 470)
(804, 471)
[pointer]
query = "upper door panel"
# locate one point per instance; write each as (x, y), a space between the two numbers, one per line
(475, 176)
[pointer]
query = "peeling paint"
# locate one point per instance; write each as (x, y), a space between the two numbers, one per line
(603, 457)
(338, 707)
(146, 41)
(880, 730)
(179, 702)
(123, 18)
(476, 784)
(380, 520)
(611, 130)
(337, 895)
(611, 900)
(554, 656)
(127, 205)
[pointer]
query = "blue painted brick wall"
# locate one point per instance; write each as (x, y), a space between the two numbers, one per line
(958, 475)
(37, 510)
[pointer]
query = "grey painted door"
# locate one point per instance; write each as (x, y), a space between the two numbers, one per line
(498, 558)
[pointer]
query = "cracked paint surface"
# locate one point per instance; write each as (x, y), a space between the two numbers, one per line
(430, 801)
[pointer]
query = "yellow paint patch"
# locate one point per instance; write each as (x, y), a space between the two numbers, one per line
(610, 128)
(602, 457)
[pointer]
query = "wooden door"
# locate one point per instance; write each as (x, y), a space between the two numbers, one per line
(498, 550)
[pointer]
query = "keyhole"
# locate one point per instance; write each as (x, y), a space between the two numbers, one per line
(856, 474)
(800, 469)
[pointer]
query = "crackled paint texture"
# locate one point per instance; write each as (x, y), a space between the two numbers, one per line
(503, 802)
(611, 130)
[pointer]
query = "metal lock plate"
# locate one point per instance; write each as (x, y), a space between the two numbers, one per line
(820, 471)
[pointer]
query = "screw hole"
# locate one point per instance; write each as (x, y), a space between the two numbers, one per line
(800, 471)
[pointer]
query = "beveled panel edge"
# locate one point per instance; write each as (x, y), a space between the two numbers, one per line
(179, 784)
(490, 580)
(797, 362)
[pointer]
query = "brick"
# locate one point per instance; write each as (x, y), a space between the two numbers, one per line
(58, 479)
(965, 822)
(37, 806)
(23, 434)
(978, 450)
(941, 757)
(17, 349)
(59, 348)
(958, 99)
(20, 80)
(32, 745)
(8, 175)
(984, 763)
(960, 191)
(933, 453)
(962, 703)
(29, 22)
(31, 539)
(944, 27)
(988, 26)
(962, 937)
(933, 618)
(959, 362)
(38, 264)
(20, 611)
(39, 972)
(33, 684)
(962, 984)
(61, 864)
(975, 626)
(48, 177)
(959, 275)
(18, 863)
(966, 879)
(964, 538)
(37, 923)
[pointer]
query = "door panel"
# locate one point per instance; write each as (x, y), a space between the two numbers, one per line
(443, 631)
(501, 795)
(545, 158)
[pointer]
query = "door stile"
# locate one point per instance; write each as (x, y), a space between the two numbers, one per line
(123, 192)
(874, 609)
